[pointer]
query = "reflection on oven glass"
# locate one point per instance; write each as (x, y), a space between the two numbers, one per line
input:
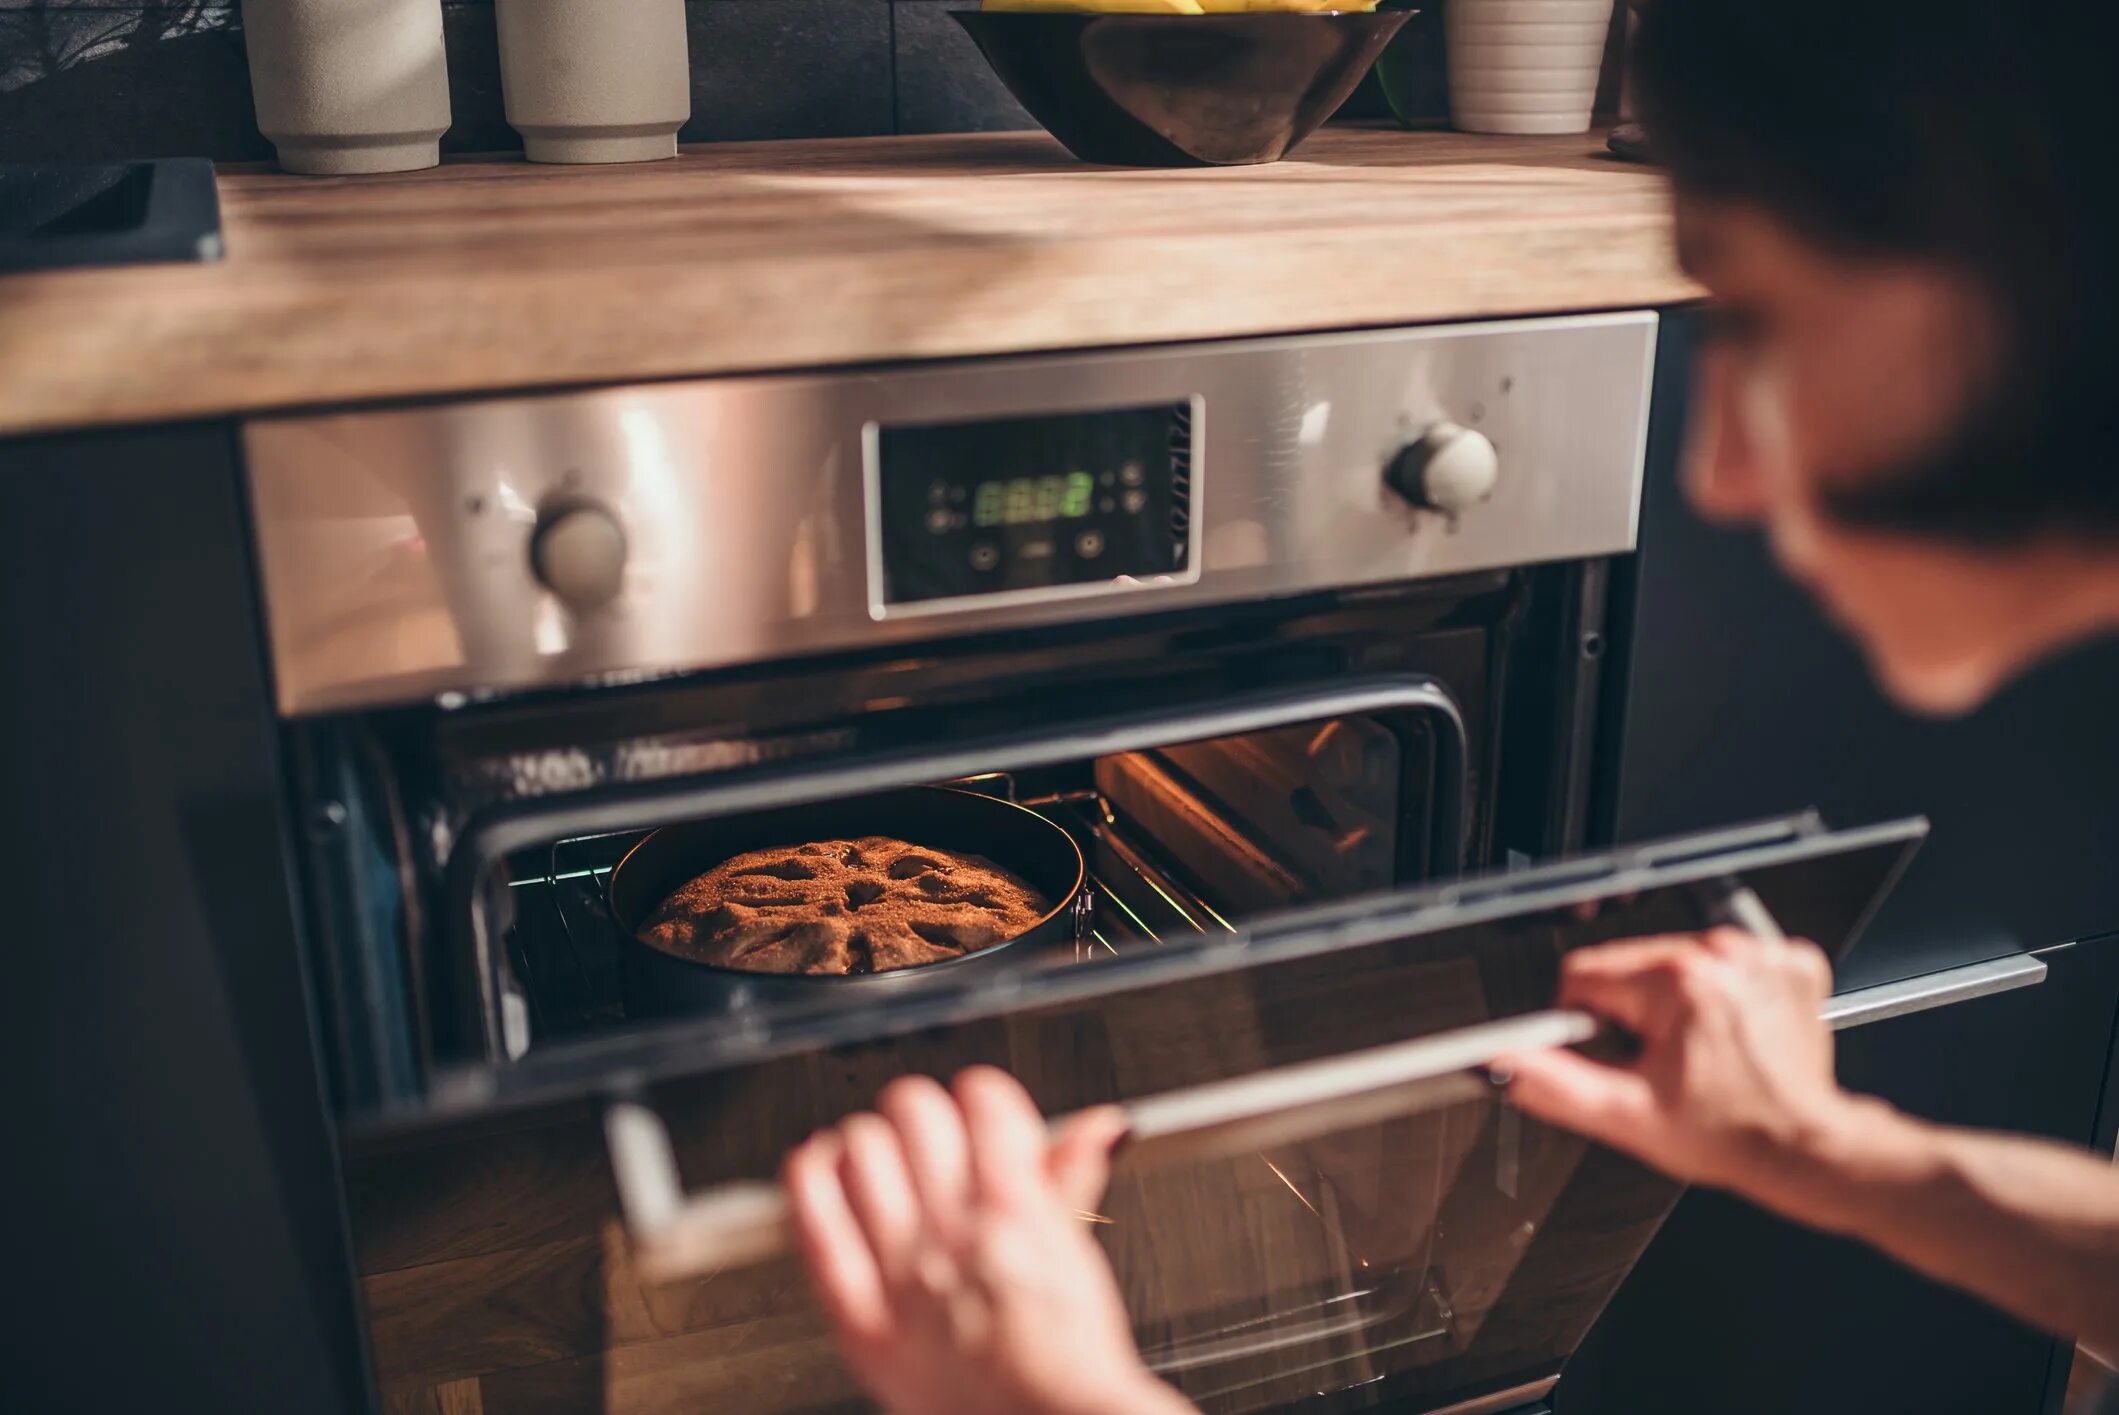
(1335, 1262)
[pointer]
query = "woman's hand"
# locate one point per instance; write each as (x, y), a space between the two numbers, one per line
(944, 1237)
(1733, 1087)
(1734, 1071)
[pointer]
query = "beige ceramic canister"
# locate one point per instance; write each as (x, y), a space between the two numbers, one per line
(595, 80)
(1525, 66)
(349, 85)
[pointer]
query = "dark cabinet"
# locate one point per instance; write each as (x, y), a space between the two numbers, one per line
(1742, 699)
(172, 1210)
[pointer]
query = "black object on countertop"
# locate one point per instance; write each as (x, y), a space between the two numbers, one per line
(108, 213)
(1630, 142)
(1136, 90)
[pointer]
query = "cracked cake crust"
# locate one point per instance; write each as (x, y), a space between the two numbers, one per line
(843, 906)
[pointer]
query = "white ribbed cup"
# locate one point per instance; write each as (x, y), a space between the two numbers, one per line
(595, 80)
(1525, 66)
(349, 85)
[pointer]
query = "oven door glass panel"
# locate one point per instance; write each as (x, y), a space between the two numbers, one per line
(1421, 1259)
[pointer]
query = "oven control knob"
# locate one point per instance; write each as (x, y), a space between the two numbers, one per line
(1450, 468)
(578, 553)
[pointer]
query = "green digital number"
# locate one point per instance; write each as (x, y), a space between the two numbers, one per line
(1075, 500)
(1021, 498)
(1049, 492)
(986, 504)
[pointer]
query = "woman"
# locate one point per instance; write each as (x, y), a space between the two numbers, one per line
(1905, 215)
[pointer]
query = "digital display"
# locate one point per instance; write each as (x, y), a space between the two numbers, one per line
(1021, 500)
(1010, 504)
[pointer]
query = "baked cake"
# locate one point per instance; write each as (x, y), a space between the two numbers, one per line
(843, 906)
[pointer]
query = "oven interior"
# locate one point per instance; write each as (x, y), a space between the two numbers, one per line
(1183, 842)
(440, 951)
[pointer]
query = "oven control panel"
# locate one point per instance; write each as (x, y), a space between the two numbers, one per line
(1014, 509)
(449, 551)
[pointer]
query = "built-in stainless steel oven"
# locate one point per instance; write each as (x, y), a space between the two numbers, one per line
(1304, 644)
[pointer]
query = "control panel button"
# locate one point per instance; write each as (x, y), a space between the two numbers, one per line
(578, 553)
(1450, 468)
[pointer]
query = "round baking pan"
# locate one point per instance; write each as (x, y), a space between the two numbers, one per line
(938, 817)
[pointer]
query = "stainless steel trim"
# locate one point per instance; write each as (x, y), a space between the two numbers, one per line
(1742, 907)
(394, 544)
(1901, 999)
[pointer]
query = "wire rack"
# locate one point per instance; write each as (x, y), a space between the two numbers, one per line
(564, 944)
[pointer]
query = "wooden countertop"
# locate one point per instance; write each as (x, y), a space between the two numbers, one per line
(495, 274)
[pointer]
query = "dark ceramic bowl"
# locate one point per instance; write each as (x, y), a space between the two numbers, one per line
(1181, 90)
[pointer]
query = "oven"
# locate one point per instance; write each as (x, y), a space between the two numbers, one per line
(1305, 645)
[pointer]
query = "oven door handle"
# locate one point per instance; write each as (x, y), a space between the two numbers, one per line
(677, 1235)
(1861, 1006)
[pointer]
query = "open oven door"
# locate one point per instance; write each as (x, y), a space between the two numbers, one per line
(1324, 1199)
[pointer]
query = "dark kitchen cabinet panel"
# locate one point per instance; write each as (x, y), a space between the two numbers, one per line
(172, 1217)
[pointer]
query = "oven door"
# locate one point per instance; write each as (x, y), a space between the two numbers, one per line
(1325, 1200)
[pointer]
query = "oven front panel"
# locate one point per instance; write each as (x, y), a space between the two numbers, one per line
(633, 532)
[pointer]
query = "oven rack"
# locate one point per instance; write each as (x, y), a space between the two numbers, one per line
(563, 942)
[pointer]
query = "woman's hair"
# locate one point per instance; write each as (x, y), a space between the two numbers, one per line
(1979, 134)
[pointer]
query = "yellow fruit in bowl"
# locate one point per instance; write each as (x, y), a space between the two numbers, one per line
(1223, 7)
(1100, 7)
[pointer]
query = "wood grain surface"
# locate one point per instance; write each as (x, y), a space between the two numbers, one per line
(496, 274)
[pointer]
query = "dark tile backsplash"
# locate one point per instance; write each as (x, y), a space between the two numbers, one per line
(89, 79)
(477, 122)
(944, 84)
(788, 69)
(86, 81)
